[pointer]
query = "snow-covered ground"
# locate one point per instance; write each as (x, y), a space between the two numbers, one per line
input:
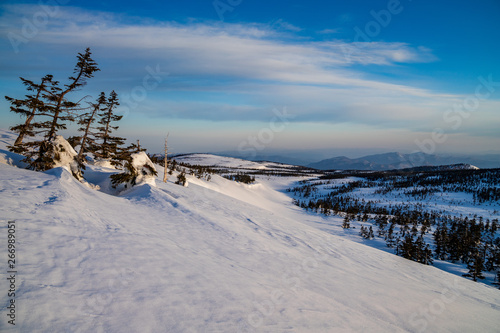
(215, 256)
(231, 162)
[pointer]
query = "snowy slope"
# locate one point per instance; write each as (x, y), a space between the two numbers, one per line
(216, 256)
(229, 162)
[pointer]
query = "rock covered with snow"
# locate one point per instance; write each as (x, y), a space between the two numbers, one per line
(139, 170)
(146, 171)
(63, 155)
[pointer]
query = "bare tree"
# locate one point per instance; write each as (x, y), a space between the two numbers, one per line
(165, 160)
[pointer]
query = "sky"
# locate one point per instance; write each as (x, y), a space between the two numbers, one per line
(255, 77)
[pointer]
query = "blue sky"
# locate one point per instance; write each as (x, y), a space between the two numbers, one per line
(274, 76)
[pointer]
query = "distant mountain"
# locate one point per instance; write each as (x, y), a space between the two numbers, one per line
(394, 160)
(382, 161)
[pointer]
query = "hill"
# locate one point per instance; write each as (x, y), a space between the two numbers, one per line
(216, 256)
(394, 160)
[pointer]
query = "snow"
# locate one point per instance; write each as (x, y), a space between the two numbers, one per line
(216, 256)
(139, 161)
(105, 162)
(229, 162)
(67, 155)
(6, 157)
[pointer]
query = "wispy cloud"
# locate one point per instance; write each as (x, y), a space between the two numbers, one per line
(330, 31)
(220, 71)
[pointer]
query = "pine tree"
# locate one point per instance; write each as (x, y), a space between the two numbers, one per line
(497, 278)
(427, 257)
(173, 167)
(43, 155)
(181, 178)
(60, 105)
(476, 267)
(87, 141)
(109, 146)
(389, 238)
(363, 232)
(347, 222)
(30, 107)
(370, 233)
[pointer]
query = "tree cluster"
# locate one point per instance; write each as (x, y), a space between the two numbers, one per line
(48, 108)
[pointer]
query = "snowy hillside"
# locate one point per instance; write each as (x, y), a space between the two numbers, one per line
(237, 164)
(216, 256)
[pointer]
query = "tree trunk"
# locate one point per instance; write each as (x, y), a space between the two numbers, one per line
(27, 123)
(165, 160)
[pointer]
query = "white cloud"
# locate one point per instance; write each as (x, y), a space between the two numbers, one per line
(248, 68)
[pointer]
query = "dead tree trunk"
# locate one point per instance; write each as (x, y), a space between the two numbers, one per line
(165, 160)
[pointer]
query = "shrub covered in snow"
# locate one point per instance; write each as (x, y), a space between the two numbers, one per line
(58, 153)
(181, 179)
(138, 170)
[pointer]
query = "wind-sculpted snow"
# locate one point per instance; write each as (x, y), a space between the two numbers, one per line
(216, 256)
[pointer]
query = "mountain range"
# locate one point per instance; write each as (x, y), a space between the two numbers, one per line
(374, 162)
(387, 161)
(395, 160)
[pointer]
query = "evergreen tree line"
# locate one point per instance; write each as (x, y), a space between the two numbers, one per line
(48, 108)
(241, 177)
(472, 241)
(483, 184)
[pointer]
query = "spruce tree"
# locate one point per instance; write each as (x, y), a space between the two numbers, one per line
(497, 278)
(370, 233)
(28, 108)
(181, 178)
(406, 248)
(363, 232)
(109, 146)
(43, 155)
(427, 258)
(347, 222)
(389, 238)
(87, 140)
(476, 267)
(60, 106)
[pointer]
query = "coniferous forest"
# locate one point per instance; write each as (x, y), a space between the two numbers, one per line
(440, 214)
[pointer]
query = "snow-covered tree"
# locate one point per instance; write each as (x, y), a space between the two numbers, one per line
(138, 170)
(41, 155)
(181, 178)
(347, 222)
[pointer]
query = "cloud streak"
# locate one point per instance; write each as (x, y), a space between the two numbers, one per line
(239, 72)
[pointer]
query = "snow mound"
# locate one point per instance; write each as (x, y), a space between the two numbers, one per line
(145, 169)
(139, 170)
(64, 156)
